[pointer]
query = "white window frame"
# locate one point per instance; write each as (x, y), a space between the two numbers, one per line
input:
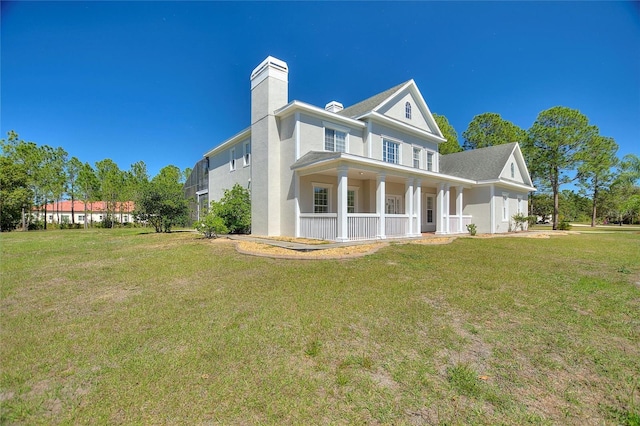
(246, 156)
(505, 206)
(407, 110)
(418, 150)
(81, 218)
(513, 171)
(430, 165)
(520, 209)
(388, 140)
(328, 188)
(232, 159)
(335, 128)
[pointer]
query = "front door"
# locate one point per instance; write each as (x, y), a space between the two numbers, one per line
(428, 213)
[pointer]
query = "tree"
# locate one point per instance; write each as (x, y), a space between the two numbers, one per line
(15, 195)
(491, 129)
(235, 209)
(88, 187)
(595, 172)
(451, 145)
(162, 203)
(555, 139)
(73, 169)
(111, 180)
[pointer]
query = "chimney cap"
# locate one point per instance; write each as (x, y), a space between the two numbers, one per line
(270, 67)
(334, 106)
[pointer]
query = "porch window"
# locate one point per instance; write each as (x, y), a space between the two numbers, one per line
(320, 199)
(335, 140)
(390, 151)
(430, 161)
(429, 209)
(416, 157)
(351, 201)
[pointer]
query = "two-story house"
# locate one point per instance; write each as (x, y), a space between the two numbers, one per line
(369, 171)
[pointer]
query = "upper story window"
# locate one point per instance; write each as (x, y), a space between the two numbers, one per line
(416, 157)
(430, 161)
(335, 140)
(407, 110)
(232, 159)
(390, 151)
(247, 153)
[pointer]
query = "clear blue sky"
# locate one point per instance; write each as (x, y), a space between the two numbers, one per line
(164, 82)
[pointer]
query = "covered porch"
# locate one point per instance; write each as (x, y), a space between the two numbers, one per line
(349, 201)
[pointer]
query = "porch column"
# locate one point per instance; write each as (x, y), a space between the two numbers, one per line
(447, 207)
(408, 204)
(343, 233)
(380, 203)
(417, 207)
(440, 217)
(459, 190)
(296, 180)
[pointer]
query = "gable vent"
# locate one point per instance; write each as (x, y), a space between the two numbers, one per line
(333, 106)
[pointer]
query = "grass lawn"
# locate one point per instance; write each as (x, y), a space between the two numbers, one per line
(125, 327)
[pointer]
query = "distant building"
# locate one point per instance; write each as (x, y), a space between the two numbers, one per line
(61, 212)
(196, 189)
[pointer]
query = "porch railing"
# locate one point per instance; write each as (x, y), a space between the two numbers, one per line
(362, 226)
(455, 220)
(322, 226)
(396, 225)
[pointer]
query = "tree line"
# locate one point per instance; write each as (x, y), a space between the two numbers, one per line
(561, 147)
(33, 176)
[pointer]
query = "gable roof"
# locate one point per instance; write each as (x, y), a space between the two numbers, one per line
(371, 103)
(478, 164)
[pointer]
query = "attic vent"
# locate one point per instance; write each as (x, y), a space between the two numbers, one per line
(333, 106)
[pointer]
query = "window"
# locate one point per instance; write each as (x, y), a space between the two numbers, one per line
(247, 153)
(416, 157)
(430, 161)
(80, 218)
(429, 209)
(390, 151)
(393, 204)
(407, 110)
(125, 218)
(505, 206)
(320, 199)
(335, 140)
(351, 201)
(232, 159)
(520, 209)
(513, 171)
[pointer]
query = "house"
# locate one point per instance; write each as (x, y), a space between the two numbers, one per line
(96, 211)
(369, 171)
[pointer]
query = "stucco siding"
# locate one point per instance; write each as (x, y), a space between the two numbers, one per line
(220, 175)
(478, 206)
(407, 142)
(517, 173)
(397, 110)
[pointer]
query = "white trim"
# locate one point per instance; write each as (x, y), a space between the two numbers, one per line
(232, 140)
(399, 143)
(505, 207)
(330, 126)
(270, 67)
(232, 159)
(328, 187)
(369, 140)
(508, 184)
(492, 208)
(402, 126)
(296, 191)
(246, 161)
(297, 135)
(294, 106)
(420, 149)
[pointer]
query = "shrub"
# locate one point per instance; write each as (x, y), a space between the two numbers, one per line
(520, 220)
(211, 225)
(235, 209)
(564, 225)
(472, 228)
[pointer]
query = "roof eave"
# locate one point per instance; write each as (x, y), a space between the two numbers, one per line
(376, 116)
(296, 106)
(232, 140)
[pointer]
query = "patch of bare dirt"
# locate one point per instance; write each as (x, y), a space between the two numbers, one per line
(266, 250)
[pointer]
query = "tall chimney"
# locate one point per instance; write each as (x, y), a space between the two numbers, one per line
(269, 91)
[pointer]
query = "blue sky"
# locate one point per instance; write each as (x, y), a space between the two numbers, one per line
(164, 82)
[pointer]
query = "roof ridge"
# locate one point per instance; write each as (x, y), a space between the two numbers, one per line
(371, 102)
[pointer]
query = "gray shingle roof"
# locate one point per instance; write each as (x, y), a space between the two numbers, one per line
(477, 164)
(370, 103)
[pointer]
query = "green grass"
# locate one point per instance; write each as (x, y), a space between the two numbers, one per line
(121, 326)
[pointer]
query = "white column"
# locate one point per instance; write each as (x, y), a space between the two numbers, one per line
(408, 204)
(296, 180)
(417, 207)
(459, 190)
(440, 216)
(343, 233)
(380, 203)
(447, 206)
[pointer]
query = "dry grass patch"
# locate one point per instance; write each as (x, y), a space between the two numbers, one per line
(267, 250)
